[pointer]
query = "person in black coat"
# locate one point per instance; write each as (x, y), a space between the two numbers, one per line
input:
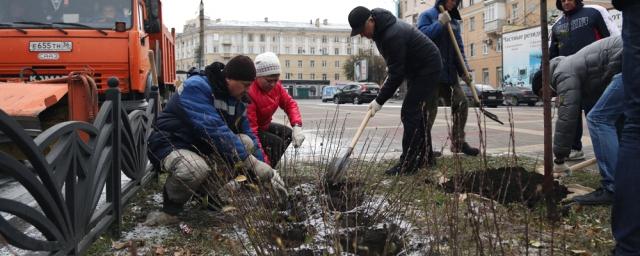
(409, 56)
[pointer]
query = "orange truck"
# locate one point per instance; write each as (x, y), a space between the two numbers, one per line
(44, 42)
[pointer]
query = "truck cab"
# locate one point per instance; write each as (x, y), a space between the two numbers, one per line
(44, 39)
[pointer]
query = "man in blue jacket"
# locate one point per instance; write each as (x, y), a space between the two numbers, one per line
(203, 134)
(434, 24)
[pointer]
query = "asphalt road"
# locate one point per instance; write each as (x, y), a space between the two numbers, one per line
(329, 127)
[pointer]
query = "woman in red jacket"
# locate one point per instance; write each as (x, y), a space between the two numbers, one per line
(267, 94)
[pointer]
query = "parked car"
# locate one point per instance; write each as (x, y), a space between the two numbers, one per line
(489, 96)
(357, 93)
(329, 91)
(515, 95)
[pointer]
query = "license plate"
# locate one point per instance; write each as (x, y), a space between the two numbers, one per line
(43, 77)
(50, 46)
(374, 91)
(491, 97)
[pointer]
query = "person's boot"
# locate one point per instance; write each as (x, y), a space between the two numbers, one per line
(465, 149)
(576, 155)
(168, 215)
(600, 196)
(437, 154)
(394, 170)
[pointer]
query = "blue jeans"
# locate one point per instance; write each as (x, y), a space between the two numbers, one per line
(601, 121)
(625, 216)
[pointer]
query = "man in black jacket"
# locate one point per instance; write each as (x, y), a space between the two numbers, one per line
(409, 55)
(578, 27)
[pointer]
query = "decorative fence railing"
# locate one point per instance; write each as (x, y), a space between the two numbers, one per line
(71, 166)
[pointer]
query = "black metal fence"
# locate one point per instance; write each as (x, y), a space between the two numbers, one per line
(69, 167)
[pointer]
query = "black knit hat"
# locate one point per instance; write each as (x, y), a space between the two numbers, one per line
(559, 4)
(240, 68)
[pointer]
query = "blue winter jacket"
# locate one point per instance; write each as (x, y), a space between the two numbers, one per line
(197, 119)
(429, 25)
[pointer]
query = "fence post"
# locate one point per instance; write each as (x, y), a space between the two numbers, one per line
(113, 183)
(155, 111)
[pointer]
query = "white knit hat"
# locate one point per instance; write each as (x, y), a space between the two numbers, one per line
(267, 64)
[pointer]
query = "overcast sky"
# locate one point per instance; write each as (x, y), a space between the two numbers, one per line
(176, 12)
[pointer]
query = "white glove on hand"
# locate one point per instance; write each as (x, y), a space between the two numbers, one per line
(298, 137)
(444, 18)
(561, 168)
(262, 170)
(278, 185)
(374, 107)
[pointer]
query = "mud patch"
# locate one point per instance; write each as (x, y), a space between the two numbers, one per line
(372, 241)
(505, 185)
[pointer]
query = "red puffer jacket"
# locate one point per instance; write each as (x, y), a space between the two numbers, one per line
(264, 104)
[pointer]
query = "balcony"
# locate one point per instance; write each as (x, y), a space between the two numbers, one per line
(494, 26)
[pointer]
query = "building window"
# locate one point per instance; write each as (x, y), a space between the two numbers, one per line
(215, 49)
(261, 37)
(300, 64)
(485, 48)
(485, 76)
(300, 51)
(499, 45)
(499, 75)
(312, 50)
(250, 37)
(273, 39)
(472, 51)
(261, 49)
(312, 76)
(324, 39)
(337, 64)
(324, 63)
(349, 51)
(312, 63)
(324, 51)
(288, 76)
(287, 63)
(514, 11)
(336, 76)
(336, 39)
(472, 23)
(299, 76)
(337, 51)
(324, 76)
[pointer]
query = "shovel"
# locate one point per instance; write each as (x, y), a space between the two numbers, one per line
(488, 114)
(335, 173)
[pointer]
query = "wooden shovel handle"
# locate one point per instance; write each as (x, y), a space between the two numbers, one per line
(360, 129)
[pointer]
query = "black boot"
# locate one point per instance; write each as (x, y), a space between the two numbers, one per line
(394, 170)
(599, 197)
(466, 149)
(168, 206)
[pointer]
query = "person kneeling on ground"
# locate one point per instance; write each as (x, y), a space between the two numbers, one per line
(579, 80)
(205, 122)
(267, 94)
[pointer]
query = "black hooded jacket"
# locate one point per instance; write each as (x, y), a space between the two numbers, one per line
(407, 51)
(576, 29)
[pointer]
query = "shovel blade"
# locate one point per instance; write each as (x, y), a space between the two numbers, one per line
(336, 172)
(492, 116)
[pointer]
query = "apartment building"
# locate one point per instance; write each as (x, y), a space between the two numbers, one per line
(411, 9)
(314, 50)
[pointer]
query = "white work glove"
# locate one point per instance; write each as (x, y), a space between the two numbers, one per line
(560, 167)
(278, 185)
(444, 18)
(374, 107)
(298, 137)
(262, 170)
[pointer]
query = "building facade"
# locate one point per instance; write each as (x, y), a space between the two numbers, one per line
(307, 51)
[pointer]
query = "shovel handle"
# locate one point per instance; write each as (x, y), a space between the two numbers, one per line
(461, 59)
(364, 123)
(582, 165)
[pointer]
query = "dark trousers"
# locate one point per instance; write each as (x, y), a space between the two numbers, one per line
(275, 141)
(416, 139)
(625, 215)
